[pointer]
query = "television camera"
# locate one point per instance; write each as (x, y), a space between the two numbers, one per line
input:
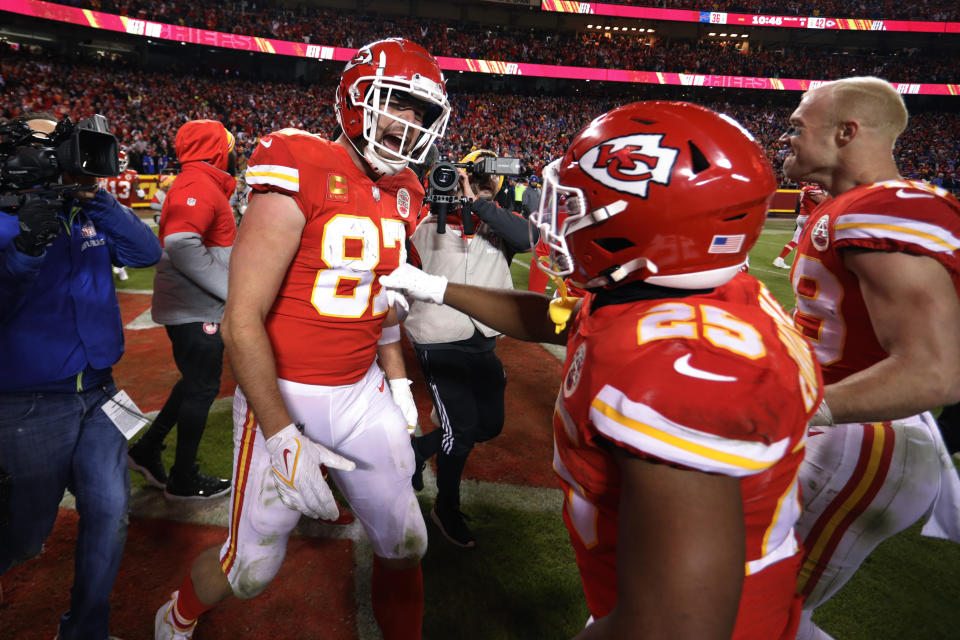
(33, 164)
(443, 178)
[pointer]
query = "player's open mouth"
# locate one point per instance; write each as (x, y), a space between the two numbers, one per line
(392, 142)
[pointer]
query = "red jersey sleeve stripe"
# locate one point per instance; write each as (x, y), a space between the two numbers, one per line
(643, 428)
(274, 175)
(860, 226)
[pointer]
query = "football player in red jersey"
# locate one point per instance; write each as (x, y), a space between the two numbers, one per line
(125, 184)
(876, 279)
(810, 196)
(681, 419)
(305, 323)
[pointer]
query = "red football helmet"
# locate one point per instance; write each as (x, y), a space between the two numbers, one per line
(122, 160)
(373, 77)
(670, 193)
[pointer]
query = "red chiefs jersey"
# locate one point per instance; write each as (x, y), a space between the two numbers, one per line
(807, 204)
(327, 318)
(906, 216)
(721, 383)
(121, 186)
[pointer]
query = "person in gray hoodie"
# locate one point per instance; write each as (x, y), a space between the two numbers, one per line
(197, 230)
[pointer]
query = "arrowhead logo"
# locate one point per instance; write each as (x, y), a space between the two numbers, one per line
(266, 143)
(630, 163)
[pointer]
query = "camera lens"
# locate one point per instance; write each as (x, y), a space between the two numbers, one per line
(443, 177)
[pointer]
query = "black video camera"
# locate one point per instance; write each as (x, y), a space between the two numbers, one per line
(32, 163)
(442, 182)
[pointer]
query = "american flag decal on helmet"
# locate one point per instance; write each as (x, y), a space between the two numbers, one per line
(726, 244)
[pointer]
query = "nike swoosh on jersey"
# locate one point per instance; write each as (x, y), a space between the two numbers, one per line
(682, 366)
(908, 194)
(266, 143)
(285, 461)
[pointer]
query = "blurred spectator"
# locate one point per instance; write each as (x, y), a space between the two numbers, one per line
(531, 196)
(319, 25)
(928, 150)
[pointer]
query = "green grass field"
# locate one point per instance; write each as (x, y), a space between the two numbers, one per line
(522, 582)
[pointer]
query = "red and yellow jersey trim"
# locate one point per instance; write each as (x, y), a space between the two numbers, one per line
(287, 178)
(860, 226)
(643, 428)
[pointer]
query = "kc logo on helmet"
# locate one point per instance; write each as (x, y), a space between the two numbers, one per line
(630, 163)
(363, 56)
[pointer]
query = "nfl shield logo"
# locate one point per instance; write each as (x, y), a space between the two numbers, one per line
(88, 231)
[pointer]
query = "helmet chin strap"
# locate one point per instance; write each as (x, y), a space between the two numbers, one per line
(620, 274)
(381, 165)
(377, 164)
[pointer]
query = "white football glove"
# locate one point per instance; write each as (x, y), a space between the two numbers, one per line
(416, 284)
(295, 460)
(396, 300)
(400, 389)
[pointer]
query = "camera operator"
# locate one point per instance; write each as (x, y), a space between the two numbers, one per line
(456, 353)
(60, 334)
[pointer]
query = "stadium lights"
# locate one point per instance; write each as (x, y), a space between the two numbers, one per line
(745, 36)
(723, 35)
(712, 33)
(606, 28)
(733, 35)
(649, 30)
(589, 26)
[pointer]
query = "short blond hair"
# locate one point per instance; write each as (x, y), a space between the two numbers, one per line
(872, 101)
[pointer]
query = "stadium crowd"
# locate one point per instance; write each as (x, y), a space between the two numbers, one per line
(146, 108)
(934, 10)
(606, 49)
(200, 14)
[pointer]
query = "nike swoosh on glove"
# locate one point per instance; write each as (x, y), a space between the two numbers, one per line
(295, 463)
(400, 390)
(416, 284)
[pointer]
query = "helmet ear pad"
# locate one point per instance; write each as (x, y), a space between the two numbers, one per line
(371, 80)
(666, 192)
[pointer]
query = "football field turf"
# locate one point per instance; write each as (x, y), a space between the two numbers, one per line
(520, 582)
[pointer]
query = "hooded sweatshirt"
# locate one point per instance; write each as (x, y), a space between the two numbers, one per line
(197, 229)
